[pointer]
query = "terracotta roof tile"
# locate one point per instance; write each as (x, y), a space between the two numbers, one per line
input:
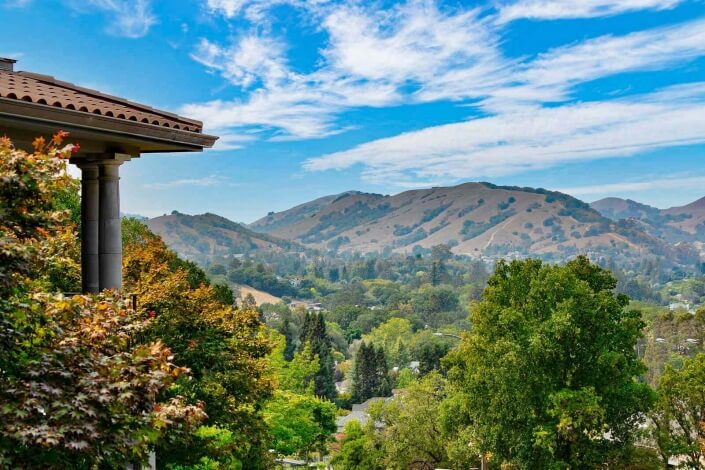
(46, 90)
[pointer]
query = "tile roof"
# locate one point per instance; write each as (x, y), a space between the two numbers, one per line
(46, 90)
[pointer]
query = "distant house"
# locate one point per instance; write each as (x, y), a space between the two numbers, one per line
(309, 306)
(343, 386)
(360, 414)
(681, 306)
(291, 463)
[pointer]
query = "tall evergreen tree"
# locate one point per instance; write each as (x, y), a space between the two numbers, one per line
(382, 386)
(305, 333)
(361, 389)
(435, 273)
(288, 333)
(314, 333)
(370, 373)
(334, 274)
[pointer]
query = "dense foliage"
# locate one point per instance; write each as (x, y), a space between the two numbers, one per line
(546, 377)
(314, 336)
(679, 414)
(78, 389)
(224, 348)
(370, 376)
(546, 373)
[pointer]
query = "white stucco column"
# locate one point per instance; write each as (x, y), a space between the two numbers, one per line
(110, 234)
(89, 226)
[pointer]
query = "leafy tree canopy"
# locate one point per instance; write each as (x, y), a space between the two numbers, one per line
(549, 367)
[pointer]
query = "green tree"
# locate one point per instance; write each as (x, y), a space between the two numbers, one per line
(412, 436)
(359, 449)
(405, 378)
(288, 333)
(679, 414)
(299, 424)
(394, 337)
(370, 377)
(299, 375)
(434, 305)
(224, 348)
(429, 350)
(549, 367)
(314, 334)
(77, 388)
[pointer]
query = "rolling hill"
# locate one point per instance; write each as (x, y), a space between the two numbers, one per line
(478, 219)
(200, 237)
(689, 218)
(677, 224)
(617, 208)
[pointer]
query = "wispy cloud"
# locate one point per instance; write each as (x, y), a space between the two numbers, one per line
(373, 58)
(557, 70)
(559, 9)
(16, 3)
(670, 182)
(256, 10)
(127, 18)
(528, 140)
(416, 52)
(229, 141)
(206, 181)
(253, 60)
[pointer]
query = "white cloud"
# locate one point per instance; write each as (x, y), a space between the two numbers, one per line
(372, 57)
(671, 182)
(206, 181)
(557, 9)
(553, 73)
(128, 18)
(529, 140)
(251, 59)
(256, 10)
(409, 53)
(229, 8)
(413, 42)
(229, 141)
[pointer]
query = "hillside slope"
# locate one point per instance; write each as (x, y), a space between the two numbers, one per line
(200, 237)
(677, 224)
(616, 208)
(473, 218)
(689, 218)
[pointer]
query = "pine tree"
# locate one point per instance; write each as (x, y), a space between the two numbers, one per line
(362, 377)
(289, 337)
(370, 373)
(435, 275)
(382, 387)
(314, 333)
(305, 333)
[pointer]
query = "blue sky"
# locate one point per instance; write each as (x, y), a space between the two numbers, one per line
(313, 97)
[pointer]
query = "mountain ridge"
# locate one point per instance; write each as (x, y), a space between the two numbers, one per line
(203, 236)
(675, 224)
(474, 218)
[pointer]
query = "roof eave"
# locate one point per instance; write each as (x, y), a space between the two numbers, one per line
(45, 116)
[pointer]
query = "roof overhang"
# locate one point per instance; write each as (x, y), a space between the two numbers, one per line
(23, 121)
